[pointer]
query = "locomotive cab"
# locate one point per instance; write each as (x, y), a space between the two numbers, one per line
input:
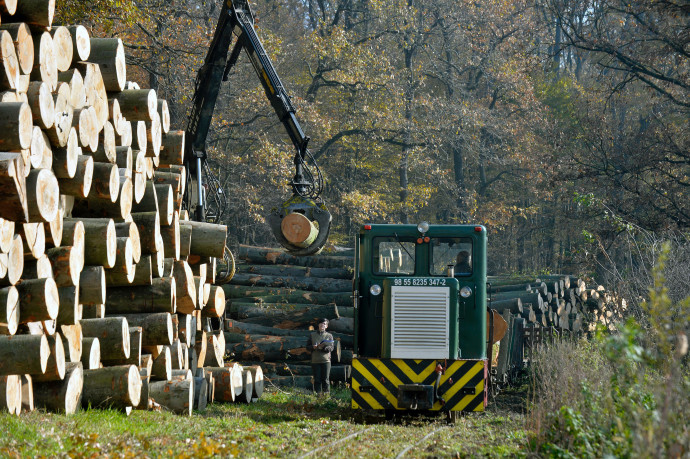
(420, 320)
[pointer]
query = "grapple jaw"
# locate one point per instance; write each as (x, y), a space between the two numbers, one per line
(317, 214)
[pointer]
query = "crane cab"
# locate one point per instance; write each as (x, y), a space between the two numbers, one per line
(420, 319)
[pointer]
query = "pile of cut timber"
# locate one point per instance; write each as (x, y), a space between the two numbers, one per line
(537, 308)
(273, 302)
(104, 281)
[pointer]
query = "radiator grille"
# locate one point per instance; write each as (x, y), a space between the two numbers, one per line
(419, 322)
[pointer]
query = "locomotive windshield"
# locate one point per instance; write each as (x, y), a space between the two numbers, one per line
(456, 251)
(393, 255)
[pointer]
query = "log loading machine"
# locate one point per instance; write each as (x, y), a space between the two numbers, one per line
(302, 223)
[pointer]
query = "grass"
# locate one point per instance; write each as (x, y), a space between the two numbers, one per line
(282, 423)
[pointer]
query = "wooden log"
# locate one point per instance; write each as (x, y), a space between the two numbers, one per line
(164, 195)
(70, 310)
(248, 387)
(208, 239)
(227, 382)
(72, 340)
(113, 334)
(276, 295)
(185, 288)
(247, 332)
(55, 366)
(200, 343)
(34, 239)
(172, 148)
(153, 136)
(174, 396)
(100, 240)
(298, 230)
(299, 271)
(63, 396)
(13, 188)
(9, 73)
(164, 115)
(6, 235)
(305, 283)
(263, 255)
(203, 291)
(258, 381)
(92, 285)
(109, 54)
(37, 13)
(116, 387)
(38, 300)
(138, 104)
(9, 310)
(171, 237)
(139, 137)
(23, 354)
(96, 95)
(81, 43)
(277, 313)
(80, 185)
(162, 365)
(11, 394)
(42, 104)
(75, 81)
(159, 297)
(157, 327)
(91, 353)
(67, 263)
(17, 122)
(45, 61)
(15, 262)
(122, 273)
(59, 132)
(215, 306)
(215, 350)
(176, 355)
(148, 224)
(23, 44)
(42, 195)
(185, 328)
(513, 305)
(135, 350)
(8, 7)
(185, 239)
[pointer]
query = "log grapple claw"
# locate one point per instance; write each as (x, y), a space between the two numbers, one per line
(315, 211)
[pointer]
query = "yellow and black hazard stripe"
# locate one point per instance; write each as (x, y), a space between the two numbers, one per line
(375, 382)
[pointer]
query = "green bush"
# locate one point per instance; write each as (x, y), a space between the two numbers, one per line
(623, 394)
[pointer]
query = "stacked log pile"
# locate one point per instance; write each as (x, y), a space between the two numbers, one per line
(105, 284)
(537, 309)
(274, 301)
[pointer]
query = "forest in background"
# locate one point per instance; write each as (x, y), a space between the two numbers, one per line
(563, 126)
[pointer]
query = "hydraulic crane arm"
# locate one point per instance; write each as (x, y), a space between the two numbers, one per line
(236, 20)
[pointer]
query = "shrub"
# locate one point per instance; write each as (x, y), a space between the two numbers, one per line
(623, 394)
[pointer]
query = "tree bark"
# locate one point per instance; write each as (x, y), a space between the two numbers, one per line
(92, 285)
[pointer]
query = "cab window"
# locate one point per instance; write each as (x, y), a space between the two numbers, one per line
(456, 251)
(393, 256)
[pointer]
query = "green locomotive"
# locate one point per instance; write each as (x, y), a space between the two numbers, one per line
(421, 318)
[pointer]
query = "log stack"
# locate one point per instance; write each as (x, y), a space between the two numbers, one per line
(274, 301)
(104, 282)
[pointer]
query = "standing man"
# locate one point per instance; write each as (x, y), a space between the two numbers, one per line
(321, 345)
